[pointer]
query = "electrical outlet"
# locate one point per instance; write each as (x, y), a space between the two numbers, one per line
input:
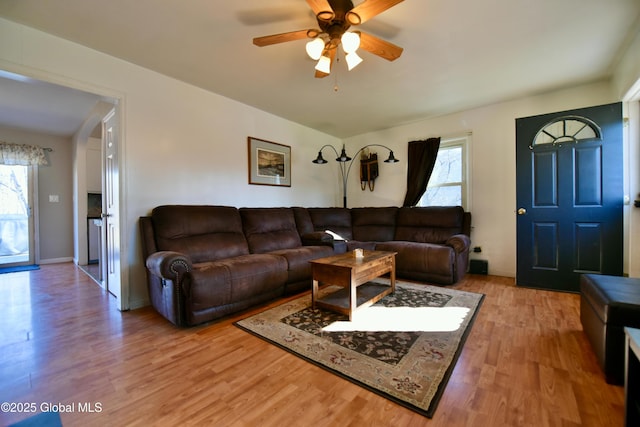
(54, 198)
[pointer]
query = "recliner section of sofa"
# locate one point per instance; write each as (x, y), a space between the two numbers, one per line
(432, 244)
(199, 265)
(205, 262)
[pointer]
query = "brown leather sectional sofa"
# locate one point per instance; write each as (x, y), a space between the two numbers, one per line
(204, 262)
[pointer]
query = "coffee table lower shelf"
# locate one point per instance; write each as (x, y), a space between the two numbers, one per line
(366, 295)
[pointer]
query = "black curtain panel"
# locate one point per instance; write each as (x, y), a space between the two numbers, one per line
(421, 159)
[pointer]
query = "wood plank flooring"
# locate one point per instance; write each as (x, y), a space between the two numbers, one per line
(526, 362)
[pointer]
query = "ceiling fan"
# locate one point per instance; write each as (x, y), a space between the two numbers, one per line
(335, 18)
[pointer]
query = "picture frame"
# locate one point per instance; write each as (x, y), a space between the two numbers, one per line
(269, 163)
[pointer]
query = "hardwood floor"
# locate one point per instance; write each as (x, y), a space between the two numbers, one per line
(526, 362)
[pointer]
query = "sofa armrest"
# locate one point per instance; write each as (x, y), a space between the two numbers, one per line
(459, 242)
(169, 265)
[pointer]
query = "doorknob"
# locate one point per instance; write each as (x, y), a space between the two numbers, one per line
(104, 215)
(522, 211)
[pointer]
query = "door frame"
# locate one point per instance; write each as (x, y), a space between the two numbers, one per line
(100, 111)
(33, 220)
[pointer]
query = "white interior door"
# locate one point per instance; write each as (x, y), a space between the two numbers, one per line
(111, 207)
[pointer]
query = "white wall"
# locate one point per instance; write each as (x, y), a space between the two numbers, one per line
(180, 144)
(493, 171)
(626, 77)
(626, 81)
(633, 135)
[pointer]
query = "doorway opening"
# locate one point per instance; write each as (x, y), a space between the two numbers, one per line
(71, 119)
(94, 209)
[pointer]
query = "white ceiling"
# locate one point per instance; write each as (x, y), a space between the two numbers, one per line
(37, 106)
(457, 54)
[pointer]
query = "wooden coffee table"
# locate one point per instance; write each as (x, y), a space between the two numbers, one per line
(352, 274)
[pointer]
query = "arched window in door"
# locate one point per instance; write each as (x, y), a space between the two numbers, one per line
(567, 130)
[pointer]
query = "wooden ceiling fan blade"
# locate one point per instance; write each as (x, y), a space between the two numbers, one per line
(382, 48)
(283, 37)
(322, 9)
(368, 9)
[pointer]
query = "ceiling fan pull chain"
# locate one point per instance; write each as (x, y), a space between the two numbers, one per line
(335, 86)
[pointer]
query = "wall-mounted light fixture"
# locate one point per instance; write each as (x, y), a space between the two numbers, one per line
(343, 159)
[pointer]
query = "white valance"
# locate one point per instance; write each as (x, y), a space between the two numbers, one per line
(22, 154)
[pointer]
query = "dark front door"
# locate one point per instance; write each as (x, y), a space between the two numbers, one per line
(570, 196)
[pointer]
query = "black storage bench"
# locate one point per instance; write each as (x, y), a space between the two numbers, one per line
(607, 305)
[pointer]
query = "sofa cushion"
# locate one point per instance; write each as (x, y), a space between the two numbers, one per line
(269, 229)
(374, 224)
(335, 220)
(204, 233)
(432, 225)
(298, 260)
(359, 244)
(235, 279)
(415, 257)
(303, 220)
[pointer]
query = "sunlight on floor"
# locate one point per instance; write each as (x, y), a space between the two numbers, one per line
(403, 319)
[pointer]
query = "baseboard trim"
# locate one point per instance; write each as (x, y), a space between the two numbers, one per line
(55, 260)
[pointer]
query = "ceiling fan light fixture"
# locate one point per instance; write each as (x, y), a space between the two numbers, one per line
(324, 65)
(352, 60)
(350, 41)
(314, 48)
(334, 19)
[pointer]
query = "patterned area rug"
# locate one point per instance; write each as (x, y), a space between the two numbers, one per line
(404, 347)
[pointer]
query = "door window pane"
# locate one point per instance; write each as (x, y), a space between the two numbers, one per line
(14, 214)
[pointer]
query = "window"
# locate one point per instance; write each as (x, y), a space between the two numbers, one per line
(570, 129)
(448, 183)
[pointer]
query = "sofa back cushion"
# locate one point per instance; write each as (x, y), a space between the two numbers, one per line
(269, 229)
(303, 220)
(335, 220)
(429, 224)
(204, 233)
(374, 224)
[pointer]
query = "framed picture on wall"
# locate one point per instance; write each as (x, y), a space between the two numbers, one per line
(269, 163)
